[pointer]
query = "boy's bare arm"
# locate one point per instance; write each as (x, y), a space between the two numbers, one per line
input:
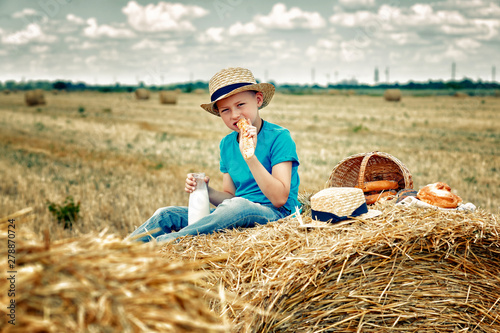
(228, 191)
(275, 185)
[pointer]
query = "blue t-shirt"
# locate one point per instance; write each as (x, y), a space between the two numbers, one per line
(274, 145)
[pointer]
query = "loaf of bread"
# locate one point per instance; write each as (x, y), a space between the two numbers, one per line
(379, 185)
(372, 198)
(247, 142)
(439, 194)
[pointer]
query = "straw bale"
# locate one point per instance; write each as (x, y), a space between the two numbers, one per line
(334, 92)
(142, 93)
(168, 97)
(199, 91)
(407, 270)
(98, 283)
(461, 95)
(392, 95)
(34, 97)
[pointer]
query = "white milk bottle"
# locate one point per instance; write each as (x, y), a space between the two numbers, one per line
(199, 205)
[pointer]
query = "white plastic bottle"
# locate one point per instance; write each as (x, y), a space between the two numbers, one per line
(199, 204)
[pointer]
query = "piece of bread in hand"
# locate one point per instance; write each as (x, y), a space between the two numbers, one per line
(247, 142)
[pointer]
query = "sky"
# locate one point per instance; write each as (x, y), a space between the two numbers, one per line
(305, 42)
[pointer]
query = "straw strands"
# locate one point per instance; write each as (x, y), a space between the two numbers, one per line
(408, 270)
(98, 283)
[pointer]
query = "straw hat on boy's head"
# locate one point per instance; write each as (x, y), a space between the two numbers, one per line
(234, 80)
(337, 204)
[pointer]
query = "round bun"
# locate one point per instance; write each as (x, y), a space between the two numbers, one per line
(439, 194)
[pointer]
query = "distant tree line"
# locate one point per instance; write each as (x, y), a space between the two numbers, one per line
(465, 84)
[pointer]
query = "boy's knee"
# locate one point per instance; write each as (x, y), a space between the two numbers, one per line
(235, 202)
(164, 210)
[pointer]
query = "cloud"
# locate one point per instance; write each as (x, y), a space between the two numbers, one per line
(405, 38)
(214, 34)
(420, 22)
(93, 30)
(486, 29)
(325, 49)
(148, 44)
(75, 19)
(467, 44)
(39, 49)
(356, 4)
(245, 29)
(451, 53)
(86, 45)
(491, 10)
(415, 16)
(295, 18)
(352, 52)
(32, 33)
(163, 16)
(353, 19)
(25, 12)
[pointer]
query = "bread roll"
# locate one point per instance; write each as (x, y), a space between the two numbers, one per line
(439, 194)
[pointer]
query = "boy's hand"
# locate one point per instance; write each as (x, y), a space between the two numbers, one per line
(191, 183)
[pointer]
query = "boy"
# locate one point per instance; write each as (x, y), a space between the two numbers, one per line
(255, 190)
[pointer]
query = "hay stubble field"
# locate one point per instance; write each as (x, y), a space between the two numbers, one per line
(410, 269)
(123, 158)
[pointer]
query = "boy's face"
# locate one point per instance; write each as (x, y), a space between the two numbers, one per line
(241, 105)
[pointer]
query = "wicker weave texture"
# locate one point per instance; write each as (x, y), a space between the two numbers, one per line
(366, 167)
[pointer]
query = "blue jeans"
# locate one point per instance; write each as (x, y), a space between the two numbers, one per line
(171, 222)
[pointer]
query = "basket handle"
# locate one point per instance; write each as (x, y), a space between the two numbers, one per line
(361, 177)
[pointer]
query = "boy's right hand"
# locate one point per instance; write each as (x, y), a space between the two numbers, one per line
(191, 183)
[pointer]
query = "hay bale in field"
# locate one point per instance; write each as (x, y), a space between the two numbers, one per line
(168, 97)
(34, 97)
(99, 283)
(199, 91)
(409, 269)
(459, 94)
(142, 94)
(392, 95)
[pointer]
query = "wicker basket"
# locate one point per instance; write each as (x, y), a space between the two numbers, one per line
(366, 167)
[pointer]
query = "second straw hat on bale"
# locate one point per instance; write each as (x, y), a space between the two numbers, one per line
(337, 204)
